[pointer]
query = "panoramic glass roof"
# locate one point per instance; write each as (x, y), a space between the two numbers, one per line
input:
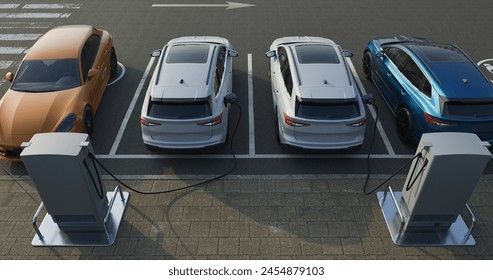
(190, 53)
(316, 54)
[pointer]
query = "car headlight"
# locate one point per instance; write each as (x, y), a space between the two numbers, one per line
(67, 123)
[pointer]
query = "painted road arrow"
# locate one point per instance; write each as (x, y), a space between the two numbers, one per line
(228, 5)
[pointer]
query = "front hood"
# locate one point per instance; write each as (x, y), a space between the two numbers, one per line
(24, 114)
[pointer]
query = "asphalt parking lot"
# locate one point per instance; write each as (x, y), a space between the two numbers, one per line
(279, 202)
(138, 28)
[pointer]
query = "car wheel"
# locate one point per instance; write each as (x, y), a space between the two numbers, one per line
(113, 63)
(404, 125)
(367, 65)
(88, 120)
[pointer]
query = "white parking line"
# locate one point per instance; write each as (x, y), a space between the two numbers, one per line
(257, 156)
(119, 136)
(25, 25)
(385, 139)
(251, 119)
(9, 6)
(34, 15)
(5, 64)
(19, 37)
(52, 6)
(12, 50)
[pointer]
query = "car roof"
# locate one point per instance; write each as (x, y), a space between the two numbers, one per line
(185, 71)
(60, 42)
(456, 74)
(321, 69)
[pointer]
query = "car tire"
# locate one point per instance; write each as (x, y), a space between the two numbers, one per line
(113, 63)
(367, 65)
(88, 120)
(404, 125)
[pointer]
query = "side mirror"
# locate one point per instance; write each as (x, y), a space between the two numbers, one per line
(232, 53)
(379, 54)
(347, 53)
(156, 53)
(9, 76)
(230, 99)
(92, 72)
(368, 99)
(270, 54)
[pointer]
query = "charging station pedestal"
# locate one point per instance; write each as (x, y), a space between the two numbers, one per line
(427, 212)
(80, 212)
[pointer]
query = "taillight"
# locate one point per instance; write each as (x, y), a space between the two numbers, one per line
(216, 121)
(146, 122)
(292, 122)
(359, 123)
(436, 121)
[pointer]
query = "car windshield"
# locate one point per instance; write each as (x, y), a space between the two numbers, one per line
(468, 110)
(47, 75)
(327, 111)
(179, 110)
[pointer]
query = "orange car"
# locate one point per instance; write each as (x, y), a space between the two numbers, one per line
(58, 86)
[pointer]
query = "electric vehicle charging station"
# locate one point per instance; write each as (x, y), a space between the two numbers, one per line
(80, 212)
(444, 172)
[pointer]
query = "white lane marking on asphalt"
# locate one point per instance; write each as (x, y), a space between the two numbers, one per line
(227, 5)
(257, 156)
(34, 15)
(25, 25)
(384, 136)
(12, 50)
(52, 6)
(119, 136)
(251, 119)
(9, 6)
(5, 64)
(19, 37)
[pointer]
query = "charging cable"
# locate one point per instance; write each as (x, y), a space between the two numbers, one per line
(368, 165)
(393, 175)
(93, 157)
(411, 181)
(99, 191)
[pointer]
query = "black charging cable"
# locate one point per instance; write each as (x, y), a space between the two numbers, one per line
(99, 191)
(392, 176)
(412, 180)
(368, 165)
(368, 161)
(93, 157)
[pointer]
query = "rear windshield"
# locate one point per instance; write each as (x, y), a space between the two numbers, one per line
(177, 110)
(316, 54)
(188, 54)
(327, 111)
(468, 110)
(47, 75)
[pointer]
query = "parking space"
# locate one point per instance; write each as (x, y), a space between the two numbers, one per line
(141, 28)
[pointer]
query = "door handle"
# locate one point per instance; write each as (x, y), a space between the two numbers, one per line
(389, 73)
